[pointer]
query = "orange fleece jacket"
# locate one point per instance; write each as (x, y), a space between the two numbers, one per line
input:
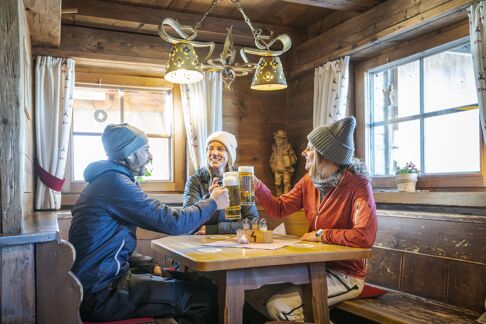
(347, 214)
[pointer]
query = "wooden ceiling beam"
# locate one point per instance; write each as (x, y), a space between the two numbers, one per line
(108, 45)
(99, 45)
(391, 20)
(116, 16)
(44, 19)
(342, 5)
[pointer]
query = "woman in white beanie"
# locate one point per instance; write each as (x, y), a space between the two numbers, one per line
(338, 203)
(220, 158)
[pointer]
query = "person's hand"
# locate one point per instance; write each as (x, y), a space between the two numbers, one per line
(221, 196)
(201, 230)
(157, 270)
(311, 237)
(214, 185)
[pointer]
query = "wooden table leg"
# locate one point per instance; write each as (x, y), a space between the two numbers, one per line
(318, 282)
(231, 296)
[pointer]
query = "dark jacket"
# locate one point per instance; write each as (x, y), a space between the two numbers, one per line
(197, 189)
(105, 219)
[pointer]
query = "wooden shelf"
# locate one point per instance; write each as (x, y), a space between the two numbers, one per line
(41, 227)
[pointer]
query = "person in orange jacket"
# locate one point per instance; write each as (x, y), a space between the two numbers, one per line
(338, 203)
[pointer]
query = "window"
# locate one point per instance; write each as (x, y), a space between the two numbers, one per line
(424, 109)
(150, 110)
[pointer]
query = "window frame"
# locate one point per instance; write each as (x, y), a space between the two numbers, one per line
(177, 146)
(406, 52)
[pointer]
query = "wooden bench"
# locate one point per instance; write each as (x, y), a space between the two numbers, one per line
(398, 307)
(433, 263)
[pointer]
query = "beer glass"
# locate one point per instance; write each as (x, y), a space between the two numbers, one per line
(247, 190)
(230, 182)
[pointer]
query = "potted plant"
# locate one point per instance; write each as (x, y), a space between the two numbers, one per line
(406, 178)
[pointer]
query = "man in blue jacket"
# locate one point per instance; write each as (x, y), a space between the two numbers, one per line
(118, 285)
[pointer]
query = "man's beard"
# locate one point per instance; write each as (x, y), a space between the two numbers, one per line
(136, 166)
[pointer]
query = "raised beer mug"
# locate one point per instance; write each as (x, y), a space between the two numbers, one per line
(247, 189)
(230, 182)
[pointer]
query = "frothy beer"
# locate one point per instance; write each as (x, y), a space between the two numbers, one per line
(247, 190)
(230, 182)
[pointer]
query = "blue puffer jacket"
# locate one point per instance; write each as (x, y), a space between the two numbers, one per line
(105, 219)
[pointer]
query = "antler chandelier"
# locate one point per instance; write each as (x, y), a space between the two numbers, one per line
(184, 66)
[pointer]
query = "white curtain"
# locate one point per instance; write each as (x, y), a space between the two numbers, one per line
(330, 91)
(202, 105)
(477, 33)
(54, 85)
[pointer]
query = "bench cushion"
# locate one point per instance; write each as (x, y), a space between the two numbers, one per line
(371, 292)
(398, 307)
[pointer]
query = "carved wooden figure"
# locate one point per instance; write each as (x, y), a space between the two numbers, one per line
(282, 161)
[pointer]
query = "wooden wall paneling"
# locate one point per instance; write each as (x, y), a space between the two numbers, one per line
(385, 22)
(28, 205)
(28, 174)
(11, 117)
(44, 17)
(250, 116)
(17, 284)
(328, 22)
(300, 110)
(424, 276)
(59, 292)
(252, 110)
(384, 268)
(466, 286)
(449, 238)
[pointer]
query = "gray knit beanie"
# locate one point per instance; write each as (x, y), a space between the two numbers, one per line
(121, 140)
(335, 141)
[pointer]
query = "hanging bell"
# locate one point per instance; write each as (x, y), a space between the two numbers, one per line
(183, 66)
(269, 74)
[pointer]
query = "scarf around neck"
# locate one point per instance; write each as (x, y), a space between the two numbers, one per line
(324, 185)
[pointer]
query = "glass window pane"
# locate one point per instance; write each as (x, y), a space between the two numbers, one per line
(150, 111)
(445, 138)
(405, 144)
(162, 161)
(86, 149)
(449, 79)
(95, 102)
(396, 92)
(401, 144)
(378, 98)
(379, 150)
(407, 89)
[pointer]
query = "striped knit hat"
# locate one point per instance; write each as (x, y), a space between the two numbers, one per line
(335, 141)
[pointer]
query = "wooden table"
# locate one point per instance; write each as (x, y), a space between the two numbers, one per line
(237, 269)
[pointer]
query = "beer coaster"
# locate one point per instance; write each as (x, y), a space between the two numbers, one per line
(218, 237)
(303, 245)
(208, 249)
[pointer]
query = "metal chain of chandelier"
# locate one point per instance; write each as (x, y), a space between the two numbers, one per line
(184, 66)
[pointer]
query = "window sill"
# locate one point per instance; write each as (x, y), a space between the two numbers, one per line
(456, 199)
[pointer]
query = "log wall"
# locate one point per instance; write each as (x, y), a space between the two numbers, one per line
(17, 270)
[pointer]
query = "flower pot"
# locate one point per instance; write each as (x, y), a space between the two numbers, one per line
(406, 181)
